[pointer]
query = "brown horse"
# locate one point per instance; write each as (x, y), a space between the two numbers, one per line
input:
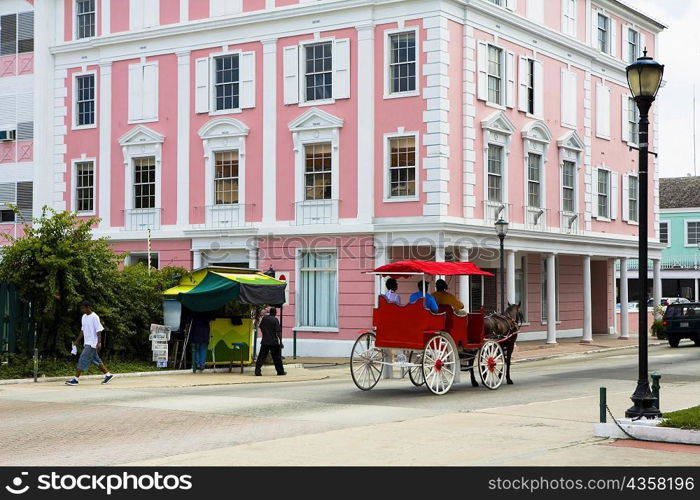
(498, 326)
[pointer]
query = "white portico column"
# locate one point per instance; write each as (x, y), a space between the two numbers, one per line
(510, 276)
(464, 288)
(657, 283)
(196, 259)
(551, 300)
(253, 258)
(587, 304)
(381, 258)
(624, 301)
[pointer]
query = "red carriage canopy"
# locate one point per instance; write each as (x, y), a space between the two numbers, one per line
(431, 268)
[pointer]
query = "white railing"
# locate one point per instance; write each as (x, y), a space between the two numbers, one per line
(536, 219)
(494, 210)
(316, 212)
(570, 222)
(224, 216)
(142, 219)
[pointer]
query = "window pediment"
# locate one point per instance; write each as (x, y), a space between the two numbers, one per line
(571, 140)
(498, 122)
(141, 135)
(315, 119)
(537, 131)
(223, 127)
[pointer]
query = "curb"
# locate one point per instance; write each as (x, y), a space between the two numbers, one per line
(127, 375)
(646, 431)
(592, 351)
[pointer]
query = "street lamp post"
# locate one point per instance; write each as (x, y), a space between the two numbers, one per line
(644, 79)
(501, 231)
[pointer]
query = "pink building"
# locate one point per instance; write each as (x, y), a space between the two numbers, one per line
(326, 137)
(16, 116)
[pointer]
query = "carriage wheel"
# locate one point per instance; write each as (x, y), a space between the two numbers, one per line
(439, 364)
(492, 364)
(415, 373)
(366, 362)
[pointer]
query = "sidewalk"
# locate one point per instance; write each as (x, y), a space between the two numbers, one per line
(529, 350)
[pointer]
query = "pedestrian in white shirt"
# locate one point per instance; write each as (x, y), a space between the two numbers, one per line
(91, 332)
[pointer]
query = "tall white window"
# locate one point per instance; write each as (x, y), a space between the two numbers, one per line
(530, 85)
(569, 101)
(663, 233)
(84, 186)
(226, 177)
(633, 199)
(85, 18)
(143, 92)
(402, 167)
(226, 82)
(145, 182)
(632, 45)
(603, 33)
(534, 175)
(603, 193)
(85, 100)
(495, 74)
(318, 74)
(318, 290)
(568, 173)
(569, 17)
(692, 232)
(495, 173)
(318, 178)
(402, 66)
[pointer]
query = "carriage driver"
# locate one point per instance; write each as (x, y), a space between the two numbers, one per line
(422, 293)
(445, 298)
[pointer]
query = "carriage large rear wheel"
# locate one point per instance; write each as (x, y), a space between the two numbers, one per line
(492, 364)
(440, 363)
(366, 362)
(415, 373)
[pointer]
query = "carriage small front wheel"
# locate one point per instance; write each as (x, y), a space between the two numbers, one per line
(440, 363)
(415, 373)
(492, 364)
(366, 362)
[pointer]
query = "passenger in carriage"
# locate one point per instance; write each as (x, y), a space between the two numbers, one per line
(422, 293)
(445, 298)
(391, 295)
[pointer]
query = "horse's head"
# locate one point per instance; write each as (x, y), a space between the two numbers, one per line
(515, 312)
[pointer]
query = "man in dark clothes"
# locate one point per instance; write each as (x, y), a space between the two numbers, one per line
(271, 342)
(199, 338)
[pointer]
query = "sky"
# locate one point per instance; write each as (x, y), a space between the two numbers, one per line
(679, 51)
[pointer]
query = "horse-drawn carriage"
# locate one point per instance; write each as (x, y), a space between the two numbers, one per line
(434, 347)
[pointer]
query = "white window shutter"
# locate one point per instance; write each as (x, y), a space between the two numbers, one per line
(642, 45)
(151, 13)
(135, 92)
(625, 197)
(602, 119)
(535, 10)
(539, 89)
(510, 79)
(511, 4)
(624, 35)
(564, 19)
(247, 80)
(135, 15)
(482, 62)
(568, 97)
(150, 92)
(594, 28)
(341, 69)
(202, 85)
(613, 37)
(291, 74)
(218, 7)
(594, 193)
(613, 195)
(625, 123)
(522, 89)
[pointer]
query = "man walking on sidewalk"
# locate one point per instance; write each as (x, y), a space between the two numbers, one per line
(271, 342)
(91, 332)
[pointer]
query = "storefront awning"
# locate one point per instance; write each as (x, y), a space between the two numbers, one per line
(218, 288)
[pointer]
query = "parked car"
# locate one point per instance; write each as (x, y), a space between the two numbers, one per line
(669, 300)
(682, 321)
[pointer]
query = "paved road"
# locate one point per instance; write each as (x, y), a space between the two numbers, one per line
(545, 417)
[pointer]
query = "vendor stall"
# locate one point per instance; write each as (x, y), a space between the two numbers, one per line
(230, 296)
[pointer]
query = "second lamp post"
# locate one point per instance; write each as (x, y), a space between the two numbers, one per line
(501, 231)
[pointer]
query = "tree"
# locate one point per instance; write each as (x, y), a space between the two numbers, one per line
(57, 264)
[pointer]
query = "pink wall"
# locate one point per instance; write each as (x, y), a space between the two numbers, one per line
(119, 16)
(79, 142)
(169, 11)
(199, 9)
(253, 159)
(250, 5)
(355, 289)
(170, 252)
(389, 115)
(345, 109)
(282, 3)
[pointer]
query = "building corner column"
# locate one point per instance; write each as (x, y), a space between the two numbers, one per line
(551, 299)
(183, 137)
(196, 259)
(269, 153)
(365, 123)
(587, 301)
(510, 276)
(624, 301)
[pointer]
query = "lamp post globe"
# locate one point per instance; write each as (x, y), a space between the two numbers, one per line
(501, 230)
(644, 78)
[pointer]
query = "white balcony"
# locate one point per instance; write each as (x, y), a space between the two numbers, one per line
(224, 216)
(316, 212)
(142, 219)
(570, 222)
(536, 219)
(494, 210)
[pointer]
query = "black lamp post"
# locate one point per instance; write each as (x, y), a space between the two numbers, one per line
(644, 79)
(501, 231)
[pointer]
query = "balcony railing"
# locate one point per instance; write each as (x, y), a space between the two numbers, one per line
(536, 219)
(224, 216)
(571, 222)
(494, 210)
(316, 212)
(142, 219)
